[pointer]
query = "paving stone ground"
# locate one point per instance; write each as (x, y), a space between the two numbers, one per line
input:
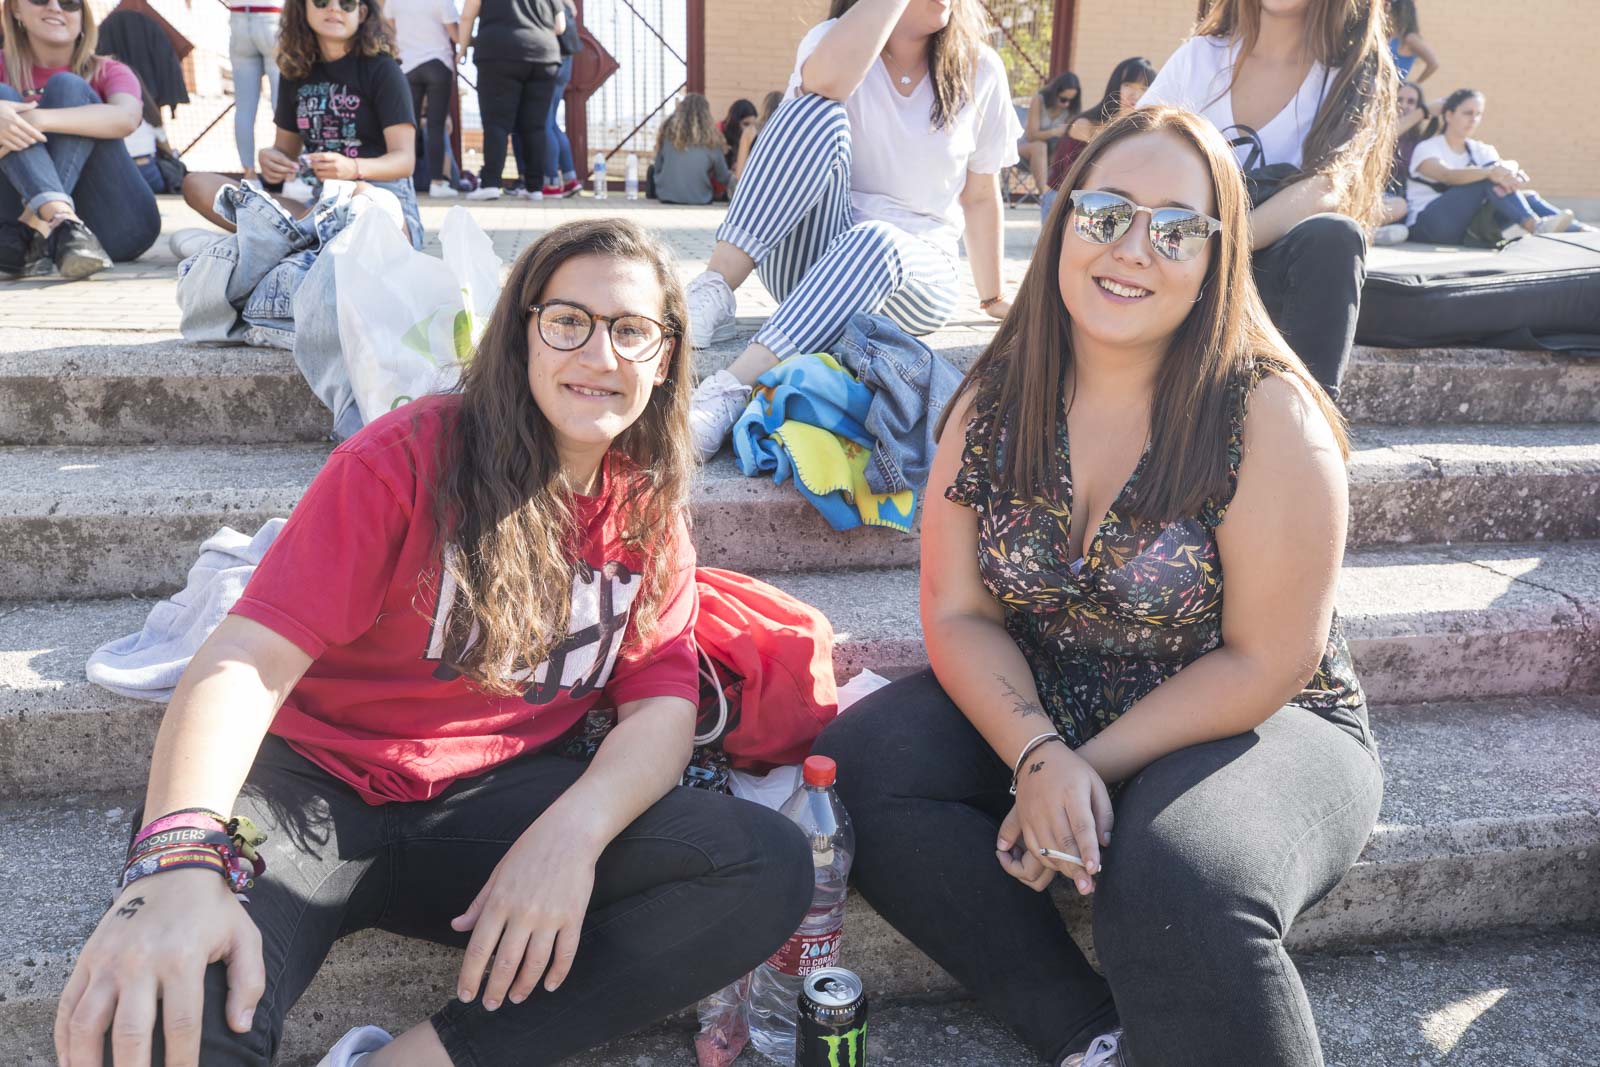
(138, 297)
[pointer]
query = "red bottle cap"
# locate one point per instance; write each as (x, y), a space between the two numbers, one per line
(819, 770)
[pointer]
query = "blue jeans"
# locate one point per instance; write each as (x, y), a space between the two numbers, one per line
(253, 49)
(1445, 221)
(96, 176)
(557, 149)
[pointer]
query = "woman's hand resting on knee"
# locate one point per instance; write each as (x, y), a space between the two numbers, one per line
(1061, 805)
(154, 946)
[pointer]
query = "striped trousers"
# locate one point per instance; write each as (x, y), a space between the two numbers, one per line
(791, 214)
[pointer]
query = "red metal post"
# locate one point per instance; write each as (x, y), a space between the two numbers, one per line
(696, 54)
(1061, 34)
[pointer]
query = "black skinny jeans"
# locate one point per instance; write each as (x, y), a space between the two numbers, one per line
(1310, 279)
(515, 97)
(1215, 850)
(430, 82)
(696, 892)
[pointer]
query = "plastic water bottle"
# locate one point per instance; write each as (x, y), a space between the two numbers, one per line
(599, 172)
(775, 985)
(630, 183)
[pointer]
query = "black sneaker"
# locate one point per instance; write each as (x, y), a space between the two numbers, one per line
(22, 251)
(76, 251)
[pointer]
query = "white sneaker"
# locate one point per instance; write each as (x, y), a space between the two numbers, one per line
(1392, 234)
(1102, 1052)
(442, 191)
(530, 194)
(717, 403)
(1514, 231)
(187, 242)
(1555, 223)
(711, 309)
(354, 1046)
(486, 192)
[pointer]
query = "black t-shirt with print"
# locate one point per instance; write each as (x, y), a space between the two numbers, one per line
(345, 105)
(522, 31)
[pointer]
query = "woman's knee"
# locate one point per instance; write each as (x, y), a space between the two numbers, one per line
(781, 857)
(1332, 234)
(67, 90)
(10, 93)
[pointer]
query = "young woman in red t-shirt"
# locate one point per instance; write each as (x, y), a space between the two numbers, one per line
(371, 706)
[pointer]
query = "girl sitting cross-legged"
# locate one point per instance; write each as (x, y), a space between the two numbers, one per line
(466, 578)
(1138, 681)
(886, 152)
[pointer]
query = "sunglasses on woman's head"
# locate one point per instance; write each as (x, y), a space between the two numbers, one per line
(1179, 233)
(344, 5)
(65, 5)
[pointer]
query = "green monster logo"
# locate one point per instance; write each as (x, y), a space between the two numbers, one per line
(854, 1041)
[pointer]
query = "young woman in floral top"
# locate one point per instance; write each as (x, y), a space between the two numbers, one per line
(1077, 596)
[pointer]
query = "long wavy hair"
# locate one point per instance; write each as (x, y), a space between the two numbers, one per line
(691, 125)
(504, 515)
(1025, 370)
(952, 57)
(298, 51)
(1351, 139)
(20, 58)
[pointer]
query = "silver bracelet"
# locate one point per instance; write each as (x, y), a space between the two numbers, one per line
(1016, 772)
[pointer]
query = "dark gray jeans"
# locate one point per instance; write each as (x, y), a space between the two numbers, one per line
(1217, 848)
(1310, 279)
(694, 893)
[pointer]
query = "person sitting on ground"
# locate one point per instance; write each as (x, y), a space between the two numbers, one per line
(344, 112)
(690, 155)
(885, 153)
(1124, 89)
(1050, 112)
(1127, 582)
(1406, 43)
(1416, 123)
(747, 140)
(71, 198)
(463, 581)
(742, 115)
(1453, 175)
(425, 35)
(1304, 90)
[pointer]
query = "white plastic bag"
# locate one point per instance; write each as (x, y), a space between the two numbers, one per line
(408, 321)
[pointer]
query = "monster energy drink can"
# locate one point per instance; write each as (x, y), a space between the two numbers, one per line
(833, 1020)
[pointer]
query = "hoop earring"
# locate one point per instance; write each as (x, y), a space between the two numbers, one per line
(1201, 295)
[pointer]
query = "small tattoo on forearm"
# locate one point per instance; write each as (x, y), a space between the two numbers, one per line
(131, 908)
(1036, 768)
(1019, 703)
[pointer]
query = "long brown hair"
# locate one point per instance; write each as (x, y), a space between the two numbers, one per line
(952, 57)
(1351, 139)
(504, 505)
(298, 51)
(19, 53)
(1024, 372)
(691, 125)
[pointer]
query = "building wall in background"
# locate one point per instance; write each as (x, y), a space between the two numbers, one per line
(1539, 94)
(750, 46)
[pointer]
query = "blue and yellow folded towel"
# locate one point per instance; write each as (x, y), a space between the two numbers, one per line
(807, 420)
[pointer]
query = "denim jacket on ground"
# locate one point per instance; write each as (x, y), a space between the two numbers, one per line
(910, 386)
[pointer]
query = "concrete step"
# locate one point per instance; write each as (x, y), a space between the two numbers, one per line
(1489, 820)
(1424, 624)
(99, 521)
(75, 387)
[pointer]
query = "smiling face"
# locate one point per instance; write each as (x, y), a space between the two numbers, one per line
(1463, 121)
(1125, 294)
(590, 395)
(48, 27)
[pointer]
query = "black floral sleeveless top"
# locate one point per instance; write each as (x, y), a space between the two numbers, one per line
(1145, 600)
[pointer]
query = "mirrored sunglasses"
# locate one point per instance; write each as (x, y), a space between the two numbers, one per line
(1178, 233)
(344, 5)
(65, 5)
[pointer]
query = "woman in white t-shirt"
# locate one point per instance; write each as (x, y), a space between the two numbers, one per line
(1313, 99)
(1452, 176)
(887, 149)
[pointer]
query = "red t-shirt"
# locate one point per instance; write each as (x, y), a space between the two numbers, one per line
(379, 708)
(112, 77)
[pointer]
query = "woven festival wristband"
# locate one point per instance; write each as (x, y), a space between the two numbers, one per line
(194, 818)
(175, 860)
(1042, 739)
(182, 837)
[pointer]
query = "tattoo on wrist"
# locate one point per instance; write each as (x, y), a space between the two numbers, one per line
(1019, 703)
(131, 908)
(1036, 768)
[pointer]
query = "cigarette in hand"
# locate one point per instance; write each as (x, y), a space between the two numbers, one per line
(1050, 853)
